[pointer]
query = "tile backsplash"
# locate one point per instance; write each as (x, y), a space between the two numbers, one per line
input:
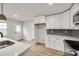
(67, 32)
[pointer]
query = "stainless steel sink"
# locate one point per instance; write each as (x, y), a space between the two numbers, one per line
(5, 43)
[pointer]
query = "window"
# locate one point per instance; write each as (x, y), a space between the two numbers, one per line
(3, 28)
(3, 25)
(18, 29)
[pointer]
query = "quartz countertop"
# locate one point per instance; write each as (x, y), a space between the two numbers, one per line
(14, 50)
(64, 37)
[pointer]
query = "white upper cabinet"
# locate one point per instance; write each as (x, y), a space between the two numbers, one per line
(53, 22)
(59, 21)
(66, 23)
(39, 19)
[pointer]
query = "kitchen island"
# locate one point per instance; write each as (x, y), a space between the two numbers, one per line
(15, 49)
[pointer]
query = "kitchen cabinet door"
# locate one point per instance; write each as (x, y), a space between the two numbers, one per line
(47, 41)
(55, 43)
(54, 22)
(49, 23)
(66, 20)
(59, 44)
(52, 43)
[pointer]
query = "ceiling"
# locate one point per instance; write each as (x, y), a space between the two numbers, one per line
(26, 11)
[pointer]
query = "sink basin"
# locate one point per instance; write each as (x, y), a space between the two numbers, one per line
(6, 43)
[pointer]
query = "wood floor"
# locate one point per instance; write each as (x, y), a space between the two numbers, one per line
(40, 50)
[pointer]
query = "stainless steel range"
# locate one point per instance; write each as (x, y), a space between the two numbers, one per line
(71, 48)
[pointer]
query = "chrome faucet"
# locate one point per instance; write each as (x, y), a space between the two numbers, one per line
(1, 34)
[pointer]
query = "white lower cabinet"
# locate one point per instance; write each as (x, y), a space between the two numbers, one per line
(59, 44)
(55, 43)
(52, 43)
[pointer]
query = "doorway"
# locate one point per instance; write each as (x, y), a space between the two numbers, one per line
(18, 33)
(40, 33)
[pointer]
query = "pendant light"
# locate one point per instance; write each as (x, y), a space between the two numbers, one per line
(2, 16)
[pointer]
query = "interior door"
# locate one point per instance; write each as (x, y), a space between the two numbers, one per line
(40, 33)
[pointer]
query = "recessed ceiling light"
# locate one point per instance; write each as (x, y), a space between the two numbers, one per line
(15, 15)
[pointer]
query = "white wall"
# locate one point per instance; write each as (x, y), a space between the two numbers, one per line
(12, 28)
(28, 30)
